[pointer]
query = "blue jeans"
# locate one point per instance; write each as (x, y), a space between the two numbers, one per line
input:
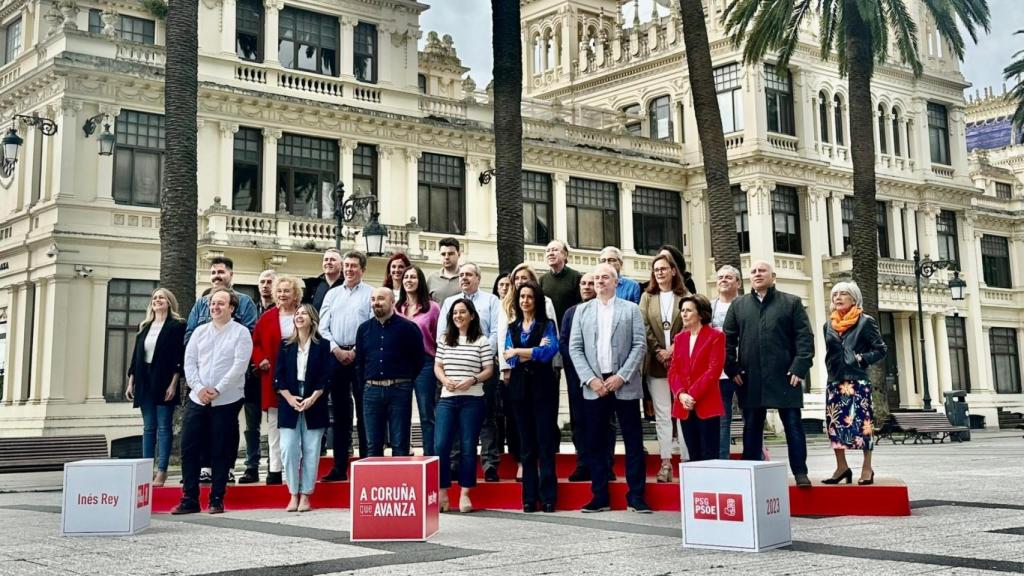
(388, 410)
(728, 389)
(157, 433)
(300, 454)
(463, 415)
(796, 442)
(426, 397)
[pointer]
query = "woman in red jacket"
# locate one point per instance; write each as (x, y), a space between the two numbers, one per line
(698, 357)
(275, 325)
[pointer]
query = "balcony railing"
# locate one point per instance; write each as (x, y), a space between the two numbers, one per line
(1002, 297)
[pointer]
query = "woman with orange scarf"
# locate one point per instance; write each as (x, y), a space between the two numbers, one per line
(852, 343)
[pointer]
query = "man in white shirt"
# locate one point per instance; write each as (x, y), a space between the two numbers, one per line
(728, 285)
(344, 309)
(488, 308)
(216, 359)
(607, 347)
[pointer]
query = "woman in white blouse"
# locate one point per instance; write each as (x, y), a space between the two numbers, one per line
(463, 363)
(153, 377)
(302, 375)
(659, 306)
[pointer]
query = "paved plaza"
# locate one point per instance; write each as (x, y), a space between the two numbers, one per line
(968, 518)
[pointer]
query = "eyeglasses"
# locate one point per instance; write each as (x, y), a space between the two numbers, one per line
(609, 260)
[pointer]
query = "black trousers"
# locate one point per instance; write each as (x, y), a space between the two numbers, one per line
(537, 416)
(345, 389)
(598, 414)
(216, 428)
(702, 437)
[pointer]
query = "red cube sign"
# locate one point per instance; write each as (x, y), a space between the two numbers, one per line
(394, 498)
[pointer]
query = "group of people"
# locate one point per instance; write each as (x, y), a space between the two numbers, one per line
(485, 369)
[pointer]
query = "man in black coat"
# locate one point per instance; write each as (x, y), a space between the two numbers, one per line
(769, 349)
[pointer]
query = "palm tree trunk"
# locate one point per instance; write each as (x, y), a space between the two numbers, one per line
(864, 234)
(508, 131)
(724, 242)
(178, 199)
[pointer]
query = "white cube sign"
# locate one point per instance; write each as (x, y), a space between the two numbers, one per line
(107, 497)
(735, 505)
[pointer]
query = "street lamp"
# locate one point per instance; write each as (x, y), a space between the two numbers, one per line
(12, 142)
(106, 139)
(352, 209)
(924, 269)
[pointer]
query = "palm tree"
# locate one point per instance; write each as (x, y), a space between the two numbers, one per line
(1015, 72)
(508, 130)
(724, 241)
(178, 200)
(858, 31)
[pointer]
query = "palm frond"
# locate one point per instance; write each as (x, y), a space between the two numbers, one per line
(764, 25)
(791, 38)
(1015, 72)
(970, 13)
(737, 18)
(905, 29)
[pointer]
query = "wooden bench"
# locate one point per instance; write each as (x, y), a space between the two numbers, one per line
(922, 426)
(45, 453)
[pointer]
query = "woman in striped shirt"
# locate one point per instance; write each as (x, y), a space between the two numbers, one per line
(464, 361)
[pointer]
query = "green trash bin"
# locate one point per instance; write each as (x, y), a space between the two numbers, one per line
(957, 413)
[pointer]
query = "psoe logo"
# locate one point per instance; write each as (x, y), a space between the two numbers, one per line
(705, 506)
(730, 507)
(142, 495)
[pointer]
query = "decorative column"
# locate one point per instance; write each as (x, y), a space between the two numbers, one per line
(25, 177)
(755, 114)
(105, 164)
(268, 186)
(971, 273)
(836, 233)
(20, 331)
(927, 235)
(817, 225)
(695, 209)
(40, 336)
(875, 115)
(921, 148)
(910, 227)
(64, 173)
(759, 219)
(97, 341)
(943, 376)
(896, 226)
(54, 367)
(385, 63)
(347, 149)
(14, 321)
(348, 36)
(412, 184)
(389, 201)
(626, 218)
(559, 182)
(225, 171)
(1016, 242)
(271, 11)
(890, 138)
(228, 29)
(905, 341)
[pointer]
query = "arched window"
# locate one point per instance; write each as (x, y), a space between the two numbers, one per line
(558, 47)
(839, 120)
(823, 102)
(659, 114)
(549, 48)
(538, 58)
(896, 132)
(881, 130)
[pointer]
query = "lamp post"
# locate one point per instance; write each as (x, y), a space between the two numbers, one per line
(924, 269)
(11, 142)
(106, 139)
(351, 209)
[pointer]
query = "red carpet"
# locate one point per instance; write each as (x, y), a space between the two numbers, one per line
(885, 498)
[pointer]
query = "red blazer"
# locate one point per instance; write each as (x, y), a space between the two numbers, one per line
(698, 375)
(266, 343)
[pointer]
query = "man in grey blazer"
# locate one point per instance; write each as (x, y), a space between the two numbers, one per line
(607, 348)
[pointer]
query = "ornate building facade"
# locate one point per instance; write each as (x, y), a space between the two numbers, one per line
(297, 95)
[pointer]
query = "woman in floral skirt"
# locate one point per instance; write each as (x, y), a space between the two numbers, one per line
(852, 343)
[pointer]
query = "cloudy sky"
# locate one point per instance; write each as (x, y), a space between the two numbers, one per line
(469, 23)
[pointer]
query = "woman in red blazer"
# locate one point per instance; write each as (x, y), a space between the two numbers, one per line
(698, 357)
(276, 325)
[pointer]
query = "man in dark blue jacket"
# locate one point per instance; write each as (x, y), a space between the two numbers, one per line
(389, 356)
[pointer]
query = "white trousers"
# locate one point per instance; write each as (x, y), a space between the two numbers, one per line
(274, 440)
(661, 396)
